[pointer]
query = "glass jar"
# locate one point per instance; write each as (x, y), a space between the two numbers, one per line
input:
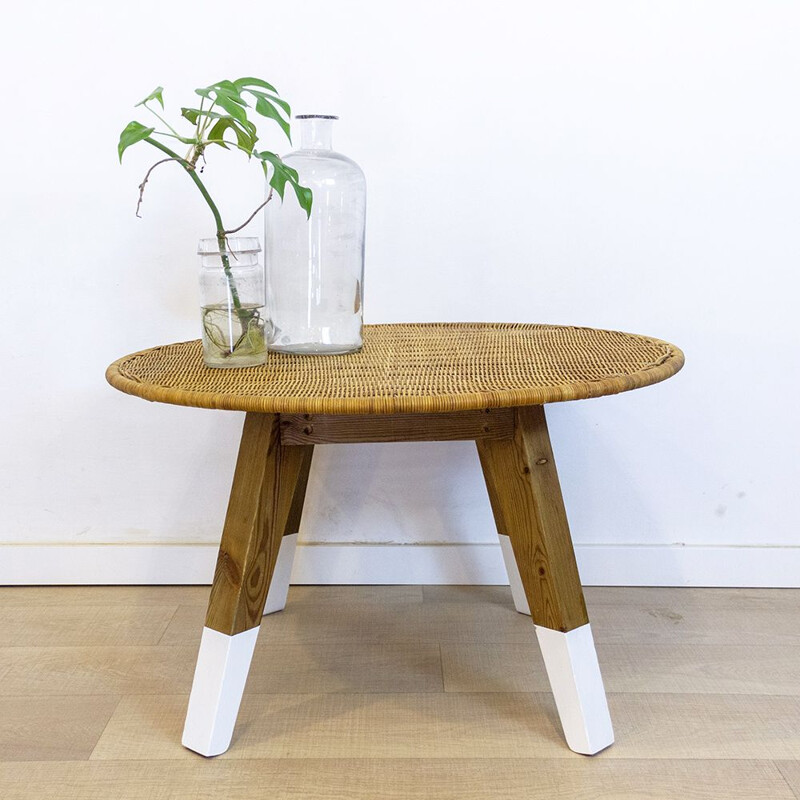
(315, 266)
(232, 303)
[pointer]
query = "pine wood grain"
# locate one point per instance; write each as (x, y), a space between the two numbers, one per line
(298, 429)
(454, 593)
(173, 596)
(315, 667)
(370, 622)
(91, 671)
(694, 623)
(52, 728)
(643, 668)
(782, 603)
(298, 496)
(359, 666)
(434, 725)
(673, 741)
(526, 500)
(397, 779)
(460, 725)
(262, 499)
(310, 667)
(778, 601)
(25, 626)
(490, 623)
(790, 770)
(349, 595)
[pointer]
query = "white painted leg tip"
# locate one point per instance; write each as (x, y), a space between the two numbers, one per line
(269, 609)
(514, 579)
(279, 585)
(219, 679)
(590, 749)
(203, 749)
(571, 663)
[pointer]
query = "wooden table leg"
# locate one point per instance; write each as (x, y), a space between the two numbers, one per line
(279, 585)
(264, 495)
(526, 499)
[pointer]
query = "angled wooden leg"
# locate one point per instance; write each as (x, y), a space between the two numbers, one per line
(526, 499)
(279, 586)
(264, 486)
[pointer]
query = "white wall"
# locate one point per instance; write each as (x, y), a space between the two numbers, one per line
(617, 164)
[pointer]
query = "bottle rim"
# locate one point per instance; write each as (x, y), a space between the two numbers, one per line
(236, 244)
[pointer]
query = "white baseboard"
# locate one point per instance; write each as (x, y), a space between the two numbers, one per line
(600, 565)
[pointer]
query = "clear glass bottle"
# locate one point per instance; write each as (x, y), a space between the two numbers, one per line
(232, 303)
(315, 266)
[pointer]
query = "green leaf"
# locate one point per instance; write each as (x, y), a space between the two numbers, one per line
(305, 198)
(251, 129)
(217, 133)
(243, 138)
(229, 88)
(213, 93)
(223, 90)
(271, 97)
(283, 174)
(192, 114)
(282, 103)
(279, 176)
(245, 141)
(245, 132)
(243, 83)
(134, 132)
(232, 107)
(266, 109)
(280, 172)
(156, 94)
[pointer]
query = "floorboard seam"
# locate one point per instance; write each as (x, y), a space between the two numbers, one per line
(785, 779)
(166, 627)
(105, 727)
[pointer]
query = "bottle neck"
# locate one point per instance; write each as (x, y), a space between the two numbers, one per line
(316, 133)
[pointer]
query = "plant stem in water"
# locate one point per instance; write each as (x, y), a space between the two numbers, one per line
(242, 314)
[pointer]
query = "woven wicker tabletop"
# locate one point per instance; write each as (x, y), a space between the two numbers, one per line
(411, 368)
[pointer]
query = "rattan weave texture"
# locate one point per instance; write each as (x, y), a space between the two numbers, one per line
(411, 368)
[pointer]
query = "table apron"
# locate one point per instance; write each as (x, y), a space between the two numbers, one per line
(304, 429)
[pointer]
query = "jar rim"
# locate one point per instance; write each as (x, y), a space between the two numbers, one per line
(236, 244)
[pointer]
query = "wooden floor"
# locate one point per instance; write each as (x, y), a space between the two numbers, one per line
(399, 692)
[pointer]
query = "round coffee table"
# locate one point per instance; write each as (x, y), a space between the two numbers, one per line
(410, 382)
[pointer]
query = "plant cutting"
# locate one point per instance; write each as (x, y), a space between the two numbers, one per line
(233, 329)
